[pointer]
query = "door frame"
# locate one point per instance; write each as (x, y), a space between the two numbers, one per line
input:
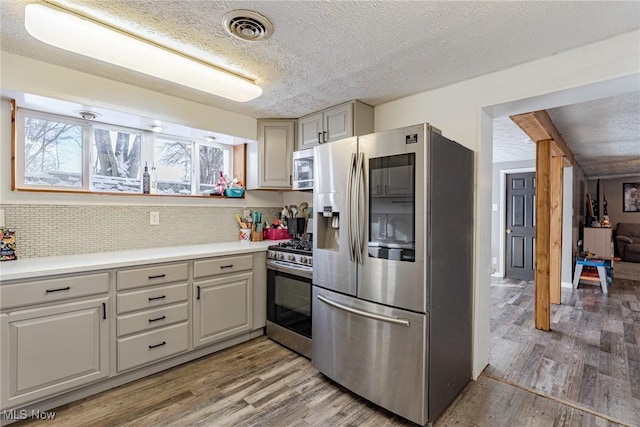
(503, 216)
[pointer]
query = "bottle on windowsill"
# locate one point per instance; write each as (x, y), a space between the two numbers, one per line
(146, 180)
(153, 179)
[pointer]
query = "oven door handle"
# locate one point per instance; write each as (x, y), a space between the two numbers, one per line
(374, 316)
(305, 274)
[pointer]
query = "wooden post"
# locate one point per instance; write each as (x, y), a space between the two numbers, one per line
(555, 248)
(543, 232)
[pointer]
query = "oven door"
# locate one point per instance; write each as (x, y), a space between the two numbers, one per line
(289, 298)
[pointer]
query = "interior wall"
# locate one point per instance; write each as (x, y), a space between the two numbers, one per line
(464, 111)
(611, 188)
(51, 224)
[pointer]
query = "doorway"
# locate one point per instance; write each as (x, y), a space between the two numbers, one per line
(520, 225)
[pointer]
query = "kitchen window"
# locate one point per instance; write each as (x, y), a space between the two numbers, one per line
(61, 153)
(52, 152)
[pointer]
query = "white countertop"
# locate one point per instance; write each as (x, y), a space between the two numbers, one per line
(47, 266)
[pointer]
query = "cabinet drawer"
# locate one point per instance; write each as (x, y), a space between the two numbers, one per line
(148, 298)
(54, 289)
(151, 346)
(151, 319)
(216, 266)
(147, 276)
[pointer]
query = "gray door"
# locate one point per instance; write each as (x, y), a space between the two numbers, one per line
(520, 232)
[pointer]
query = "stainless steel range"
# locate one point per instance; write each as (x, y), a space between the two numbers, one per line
(289, 277)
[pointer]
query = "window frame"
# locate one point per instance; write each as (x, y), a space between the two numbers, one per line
(147, 141)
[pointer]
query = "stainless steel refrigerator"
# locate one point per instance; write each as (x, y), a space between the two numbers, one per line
(392, 273)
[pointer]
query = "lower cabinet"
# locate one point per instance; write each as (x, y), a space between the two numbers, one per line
(65, 333)
(222, 307)
(50, 350)
(148, 347)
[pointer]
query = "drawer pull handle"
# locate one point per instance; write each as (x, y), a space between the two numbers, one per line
(227, 266)
(157, 318)
(58, 290)
(198, 297)
(157, 345)
(155, 298)
(159, 276)
(104, 311)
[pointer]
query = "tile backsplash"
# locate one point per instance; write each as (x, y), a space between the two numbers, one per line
(50, 230)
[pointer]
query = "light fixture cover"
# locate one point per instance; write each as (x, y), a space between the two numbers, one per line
(68, 31)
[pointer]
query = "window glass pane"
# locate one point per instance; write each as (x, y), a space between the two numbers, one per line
(213, 160)
(172, 159)
(52, 153)
(115, 160)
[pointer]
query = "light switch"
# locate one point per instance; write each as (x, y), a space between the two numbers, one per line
(154, 218)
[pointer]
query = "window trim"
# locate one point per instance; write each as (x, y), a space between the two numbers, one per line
(20, 165)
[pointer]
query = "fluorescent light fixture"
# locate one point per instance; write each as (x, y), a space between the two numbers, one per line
(69, 31)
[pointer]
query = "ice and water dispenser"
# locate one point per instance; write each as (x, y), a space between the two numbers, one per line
(328, 221)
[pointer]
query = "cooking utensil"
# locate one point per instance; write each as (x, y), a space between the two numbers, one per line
(240, 222)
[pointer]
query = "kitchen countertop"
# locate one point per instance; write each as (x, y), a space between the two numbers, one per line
(28, 268)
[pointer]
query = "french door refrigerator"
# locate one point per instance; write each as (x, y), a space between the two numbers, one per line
(392, 274)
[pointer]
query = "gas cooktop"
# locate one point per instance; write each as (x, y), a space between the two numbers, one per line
(294, 246)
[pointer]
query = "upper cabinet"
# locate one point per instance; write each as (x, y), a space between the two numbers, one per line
(332, 124)
(269, 160)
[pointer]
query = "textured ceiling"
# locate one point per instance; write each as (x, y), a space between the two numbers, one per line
(323, 53)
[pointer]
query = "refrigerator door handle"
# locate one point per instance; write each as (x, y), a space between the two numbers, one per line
(349, 212)
(359, 241)
(374, 316)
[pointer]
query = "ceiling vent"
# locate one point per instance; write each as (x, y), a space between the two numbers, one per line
(247, 25)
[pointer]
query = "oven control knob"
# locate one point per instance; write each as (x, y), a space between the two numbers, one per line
(303, 259)
(292, 257)
(269, 254)
(280, 255)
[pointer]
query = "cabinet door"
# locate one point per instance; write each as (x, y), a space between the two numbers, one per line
(222, 308)
(310, 131)
(275, 151)
(46, 351)
(338, 123)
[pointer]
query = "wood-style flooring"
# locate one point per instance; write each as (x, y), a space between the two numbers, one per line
(583, 373)
(591, 357)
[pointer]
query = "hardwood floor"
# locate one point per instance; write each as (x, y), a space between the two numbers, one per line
(586, 372)
(591, 357)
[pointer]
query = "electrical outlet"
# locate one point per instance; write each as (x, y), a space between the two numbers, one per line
(494, 260)
(246, 213)
(494, 207)
(154, 218)
(1, 217)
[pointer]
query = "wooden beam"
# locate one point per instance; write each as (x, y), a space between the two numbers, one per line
(538, 126)
(531, 126)
(555, 248)
(543, 232)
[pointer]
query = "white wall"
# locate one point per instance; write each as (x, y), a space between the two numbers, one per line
(464, 111)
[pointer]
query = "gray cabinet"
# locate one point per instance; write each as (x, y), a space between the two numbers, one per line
(152, 314)
(269, 160)
(223, 298)
(52, 349)
(62, 336)
(332, 124)
(222, 308)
